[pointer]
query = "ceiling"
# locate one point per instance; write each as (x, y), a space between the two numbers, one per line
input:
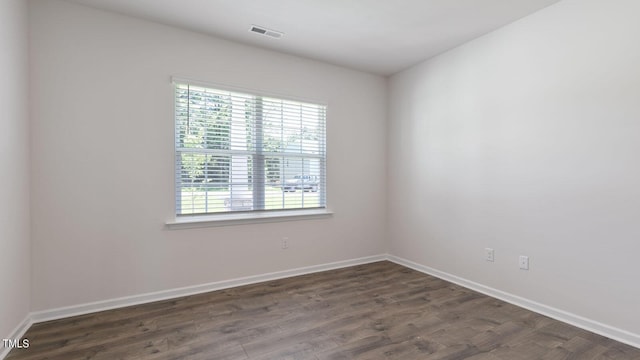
(377, 36)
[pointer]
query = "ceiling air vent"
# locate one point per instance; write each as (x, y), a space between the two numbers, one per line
(266, 32)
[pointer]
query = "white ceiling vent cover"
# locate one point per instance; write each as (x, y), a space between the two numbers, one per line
(266, 32)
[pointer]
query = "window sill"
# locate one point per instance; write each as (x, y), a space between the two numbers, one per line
(246, 218)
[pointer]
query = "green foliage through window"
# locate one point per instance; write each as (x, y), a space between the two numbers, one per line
(247, 152)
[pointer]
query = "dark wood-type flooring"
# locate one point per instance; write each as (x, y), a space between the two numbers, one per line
(374, 311)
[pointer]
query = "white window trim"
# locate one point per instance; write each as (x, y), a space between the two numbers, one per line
(246, 90)
(258, 217)
(254, 217)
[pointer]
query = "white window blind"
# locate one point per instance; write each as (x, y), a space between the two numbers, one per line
(247, 152)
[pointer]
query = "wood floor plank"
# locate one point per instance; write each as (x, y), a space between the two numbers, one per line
(375, 311)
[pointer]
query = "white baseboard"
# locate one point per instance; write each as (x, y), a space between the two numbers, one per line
(81, 309)
(17, 333)
(561, 315)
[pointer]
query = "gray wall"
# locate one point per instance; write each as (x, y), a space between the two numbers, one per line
(15, 257)
(103, 159)
(527, 141)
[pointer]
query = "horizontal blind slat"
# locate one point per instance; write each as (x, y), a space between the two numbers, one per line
(244, 152)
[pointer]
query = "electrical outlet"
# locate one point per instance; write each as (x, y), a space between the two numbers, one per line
(488, 254)
(285, 242)
(524, 262)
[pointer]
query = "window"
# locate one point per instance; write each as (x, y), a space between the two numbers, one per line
(246, 152)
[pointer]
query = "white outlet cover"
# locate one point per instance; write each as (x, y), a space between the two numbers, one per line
(524, 262)
(489, 254)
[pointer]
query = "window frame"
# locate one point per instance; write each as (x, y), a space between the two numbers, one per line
(224, 218)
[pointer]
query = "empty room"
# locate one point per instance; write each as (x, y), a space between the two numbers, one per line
(321, 179)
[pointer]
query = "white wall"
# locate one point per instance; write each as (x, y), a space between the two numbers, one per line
(527, 140)
(103, 159)
(15, 257)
